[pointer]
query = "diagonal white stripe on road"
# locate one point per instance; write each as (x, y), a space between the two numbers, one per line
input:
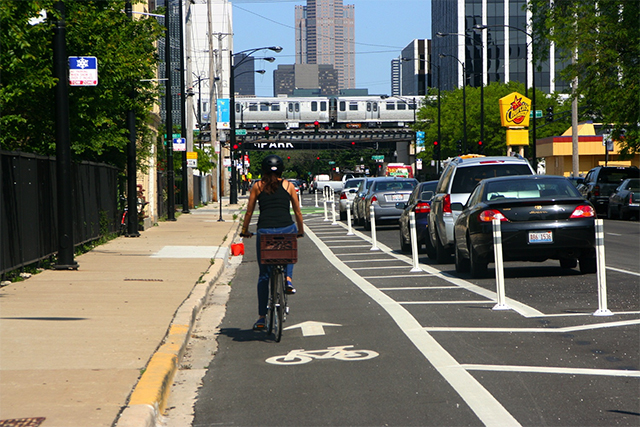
(553, 370)
(482, 403)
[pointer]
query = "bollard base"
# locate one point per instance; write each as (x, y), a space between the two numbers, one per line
(375, 248)
(501, 307)
(605, 312)
(351, 233)
(416, 270)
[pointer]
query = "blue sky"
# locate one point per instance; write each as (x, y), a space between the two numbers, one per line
(383, 29)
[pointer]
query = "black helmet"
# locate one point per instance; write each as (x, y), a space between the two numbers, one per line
(272, 164)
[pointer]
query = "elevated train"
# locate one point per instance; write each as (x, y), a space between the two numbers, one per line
(332, 112)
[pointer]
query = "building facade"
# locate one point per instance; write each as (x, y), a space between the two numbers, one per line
(414, 69)
(325, 35)
(311, 78)
(395, 76)
(245, 74)
(501, 53)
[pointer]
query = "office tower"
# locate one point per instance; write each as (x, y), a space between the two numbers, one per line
(496, 54)
(395, 76)
(325, 34)
(245, 82)
(414, 68)
(305, 79)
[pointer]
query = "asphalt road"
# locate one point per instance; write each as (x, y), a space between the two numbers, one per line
(426, 348)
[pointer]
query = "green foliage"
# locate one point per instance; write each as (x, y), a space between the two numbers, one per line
(451, 116)
(607, 39)
(126, 55)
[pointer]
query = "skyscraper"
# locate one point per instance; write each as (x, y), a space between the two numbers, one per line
(500, 53)
(325, 34)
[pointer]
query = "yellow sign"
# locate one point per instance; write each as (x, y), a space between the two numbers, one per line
(192, 159)
(514, 110)
(517, 137)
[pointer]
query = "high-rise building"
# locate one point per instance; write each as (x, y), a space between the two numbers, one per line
(244, 72)
(395, 76)
(305, 78)
(325, 34)
(500, 53)
(414, 68)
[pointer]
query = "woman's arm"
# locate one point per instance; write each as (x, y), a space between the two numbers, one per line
(253, 196)
(295, 203)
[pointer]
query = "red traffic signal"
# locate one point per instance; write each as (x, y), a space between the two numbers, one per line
(316, 126)
(479, 142)
(435, 143)
(266, 132)
(235, 146)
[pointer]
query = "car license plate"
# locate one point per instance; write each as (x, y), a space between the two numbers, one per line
(540, 237)
(396, 197)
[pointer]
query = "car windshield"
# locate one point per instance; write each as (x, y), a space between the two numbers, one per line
(395, 186)
(467, 178)
(616, 176)
(530, 189)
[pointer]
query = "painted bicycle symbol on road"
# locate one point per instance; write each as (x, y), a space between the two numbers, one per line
(301, 356)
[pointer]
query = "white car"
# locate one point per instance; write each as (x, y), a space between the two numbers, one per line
(347, 195)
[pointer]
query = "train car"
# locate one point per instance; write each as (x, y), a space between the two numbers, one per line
(328, 112)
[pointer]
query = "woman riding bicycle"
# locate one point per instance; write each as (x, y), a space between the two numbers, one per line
(275, 196)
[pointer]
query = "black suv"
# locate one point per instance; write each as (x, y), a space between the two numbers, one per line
(602, 181)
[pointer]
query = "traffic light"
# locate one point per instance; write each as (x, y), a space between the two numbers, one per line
(480, 147)
(549, 114)
(316, 126)
(266, 132)
(459, 146)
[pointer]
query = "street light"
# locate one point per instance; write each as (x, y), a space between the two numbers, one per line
(464, 100)
(533, 78)
(439, 127)
(233, 191)
(439, 34)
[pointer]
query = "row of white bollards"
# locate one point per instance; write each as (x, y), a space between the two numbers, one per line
(600, 263)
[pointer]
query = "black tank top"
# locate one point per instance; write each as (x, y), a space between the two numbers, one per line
(274, 209)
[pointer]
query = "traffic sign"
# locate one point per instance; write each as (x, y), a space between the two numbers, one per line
(538, 114)
(378, 157)
(83, 71)
(179, 144)
(192, 159)
(241, 131)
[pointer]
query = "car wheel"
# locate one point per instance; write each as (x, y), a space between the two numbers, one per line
(568, 262)
(462, 264)
(404, 247)
(442, 255)
(588, 264)
(477, 265)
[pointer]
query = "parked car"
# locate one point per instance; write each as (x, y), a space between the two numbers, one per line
(347, 195)
(357, 207)
(420, 203)
(624, 203)
(541, 217)
(456, 183)
(383, 195)
(602, 181)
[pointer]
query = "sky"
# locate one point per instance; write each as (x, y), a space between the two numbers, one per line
(383, 29)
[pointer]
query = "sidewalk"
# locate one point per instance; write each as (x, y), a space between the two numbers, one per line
(73, 344)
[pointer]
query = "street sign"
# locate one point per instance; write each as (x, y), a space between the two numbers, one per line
(192, 159)
(538, 114)
(378, 157)
(83, 71)
(241, 131)
(179, 144)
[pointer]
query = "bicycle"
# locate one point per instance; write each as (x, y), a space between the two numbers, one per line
(278, 250)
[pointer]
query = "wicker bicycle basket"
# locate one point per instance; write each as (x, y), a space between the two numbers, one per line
(279, 249)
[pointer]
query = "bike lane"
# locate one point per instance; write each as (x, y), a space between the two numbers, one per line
(394, 387)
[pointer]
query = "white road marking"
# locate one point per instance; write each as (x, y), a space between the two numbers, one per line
(369, 260)
(349, 246)
(482, 403)
(384, 267)
(419, 288)
(553, 370)
(311, 328)
(619, 270)
(413, 275)
(444, 302)
(563, 330)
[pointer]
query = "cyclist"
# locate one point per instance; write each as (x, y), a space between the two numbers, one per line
(274, 195)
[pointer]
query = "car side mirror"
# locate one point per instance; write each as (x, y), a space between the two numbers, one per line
(457, 207)
(401, 205)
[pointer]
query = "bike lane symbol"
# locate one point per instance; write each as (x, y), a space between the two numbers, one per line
(301, 356)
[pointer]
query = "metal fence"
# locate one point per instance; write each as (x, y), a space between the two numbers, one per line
(28, 206)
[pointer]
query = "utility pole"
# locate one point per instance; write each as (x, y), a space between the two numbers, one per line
(171, 197)
(132, 189)
(186, 196)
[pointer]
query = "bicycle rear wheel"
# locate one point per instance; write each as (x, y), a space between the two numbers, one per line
(272, 302)
(280, 303)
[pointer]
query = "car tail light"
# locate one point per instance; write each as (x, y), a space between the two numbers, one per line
(491, 214)
(446, 204)
(343, 196)
(423, 207)
(374, 199)
(583, 211)
(630, 198)
(596, 190)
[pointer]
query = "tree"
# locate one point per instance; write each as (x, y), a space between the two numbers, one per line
(607, 39)
(126, 55)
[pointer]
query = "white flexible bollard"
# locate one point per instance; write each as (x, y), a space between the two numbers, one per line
(350, 230)
(326, 217)
(300, 197)
(373, 229)
(315, 193)
(414, 242)
(333, 212)
(499, 267)
(602, 272)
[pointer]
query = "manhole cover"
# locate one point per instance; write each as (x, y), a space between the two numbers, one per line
(22, 422)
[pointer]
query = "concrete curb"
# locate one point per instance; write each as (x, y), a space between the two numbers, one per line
(149, 397)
